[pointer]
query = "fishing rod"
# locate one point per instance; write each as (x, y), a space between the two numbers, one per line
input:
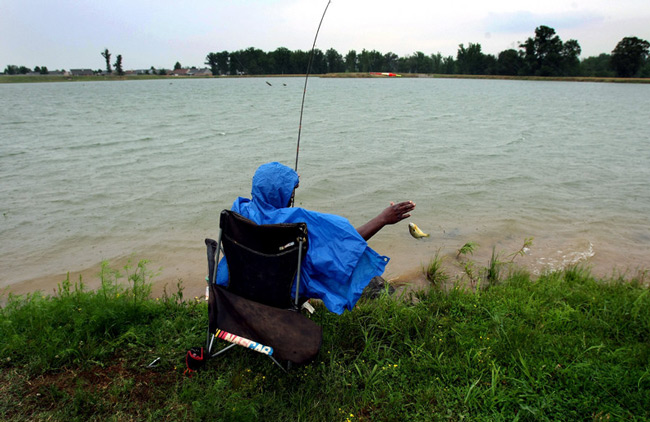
(304, 91)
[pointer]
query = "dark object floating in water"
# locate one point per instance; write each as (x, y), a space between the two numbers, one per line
(269, 84)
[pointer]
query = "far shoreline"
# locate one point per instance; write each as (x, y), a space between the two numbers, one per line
(8, 79)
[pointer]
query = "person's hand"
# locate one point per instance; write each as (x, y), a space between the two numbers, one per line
(397, 212)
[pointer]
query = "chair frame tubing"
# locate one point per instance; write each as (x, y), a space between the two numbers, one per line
(210, 338)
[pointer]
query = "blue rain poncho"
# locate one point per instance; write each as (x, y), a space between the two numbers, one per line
(339, 263)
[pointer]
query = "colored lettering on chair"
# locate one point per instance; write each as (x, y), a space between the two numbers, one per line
(244, 342)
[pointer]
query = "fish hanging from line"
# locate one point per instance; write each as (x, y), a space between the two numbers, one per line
(416, 232)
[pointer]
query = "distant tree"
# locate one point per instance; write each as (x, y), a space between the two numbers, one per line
(318, 62)
(299, 61)
(44, 70)
(390, 62)
(570, 62)
(377, 60)
(118, 65)
(470, 60)
(645, 70)
(334, 61)
(542, 53)
(365, 63)
(629, 56)
(351, 61)
(598, 66)
(177, 66)
(436, 63)
(234, 65)
(371, 61)
(490, 64)
(37, 69)
(280, 61)
(406, 64)
(448, 65)
(107, 56)
(510, 62)
(546, 55)
(11, 69)
(253, 60)
(223, 58)
(420, 63)
(403, 65)
(211, 60)
(24, 70)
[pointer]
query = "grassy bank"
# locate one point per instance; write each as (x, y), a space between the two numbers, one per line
(502, 77)
(562, 347)
(47, 78)
(94, 78)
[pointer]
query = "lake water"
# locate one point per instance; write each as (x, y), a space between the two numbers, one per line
(106, 170)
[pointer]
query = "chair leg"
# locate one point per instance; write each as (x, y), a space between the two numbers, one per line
(278, 363)
(210, 344)
(230, 346)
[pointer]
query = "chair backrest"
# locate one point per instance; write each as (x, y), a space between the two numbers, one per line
(263, 260)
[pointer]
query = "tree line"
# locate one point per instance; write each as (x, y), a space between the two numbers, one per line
(545, 54)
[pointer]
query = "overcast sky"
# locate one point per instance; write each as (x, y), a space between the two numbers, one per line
(65, 34)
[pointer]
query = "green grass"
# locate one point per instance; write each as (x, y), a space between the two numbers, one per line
(564, 346)
(434, 271)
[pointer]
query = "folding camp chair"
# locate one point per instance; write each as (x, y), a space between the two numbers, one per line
(255, 309)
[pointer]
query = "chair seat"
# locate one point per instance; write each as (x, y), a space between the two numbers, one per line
(292, 336)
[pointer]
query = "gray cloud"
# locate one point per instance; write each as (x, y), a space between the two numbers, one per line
(522, 21)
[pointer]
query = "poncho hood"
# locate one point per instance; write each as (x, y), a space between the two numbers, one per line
(339, 263)
(273, 185)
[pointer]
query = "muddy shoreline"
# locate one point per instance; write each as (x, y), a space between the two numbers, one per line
(189, 267)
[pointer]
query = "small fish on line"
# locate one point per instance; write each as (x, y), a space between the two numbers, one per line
(416, 232)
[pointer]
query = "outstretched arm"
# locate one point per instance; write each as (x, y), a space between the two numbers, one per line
(391, 215)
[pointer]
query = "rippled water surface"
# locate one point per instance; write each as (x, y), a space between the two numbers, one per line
(95, 171)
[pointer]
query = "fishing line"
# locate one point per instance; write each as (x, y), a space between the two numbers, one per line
(302, 105)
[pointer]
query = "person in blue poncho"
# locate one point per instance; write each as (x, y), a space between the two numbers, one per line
(339, 263)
